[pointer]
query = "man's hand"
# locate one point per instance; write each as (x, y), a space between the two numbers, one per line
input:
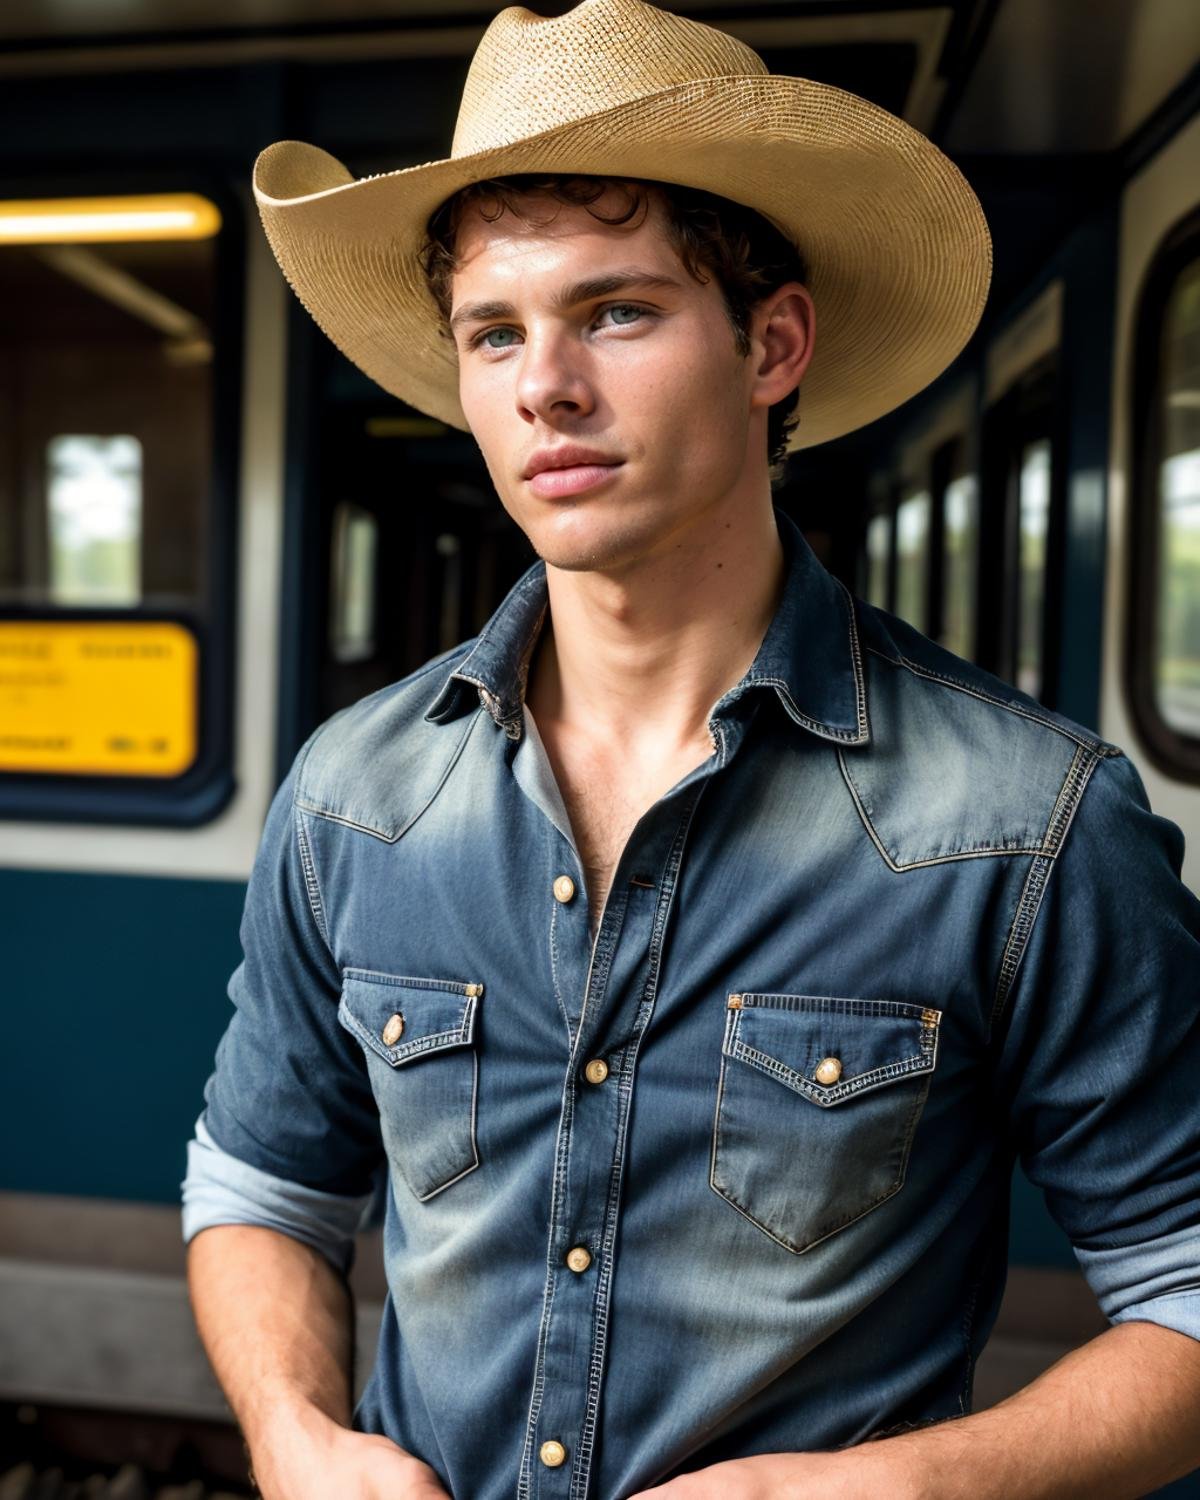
(1114, 1418)
(848, 1474)
(276, 1320)
(322, 1459)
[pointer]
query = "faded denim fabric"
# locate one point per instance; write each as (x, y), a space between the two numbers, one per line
(902, 928)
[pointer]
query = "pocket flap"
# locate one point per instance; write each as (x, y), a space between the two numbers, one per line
(414, 1015)
(863, 1043)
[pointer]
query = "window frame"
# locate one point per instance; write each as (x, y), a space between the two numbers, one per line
(1176, 755)
(201, 792)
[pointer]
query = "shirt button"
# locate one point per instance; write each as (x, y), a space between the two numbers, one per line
(552, 1454)
(564, 889)
(579, 1259)
(829, 1070)
(596, 1071)
(394, 1030)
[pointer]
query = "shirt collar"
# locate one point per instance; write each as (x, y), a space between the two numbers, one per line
(497, 664)
(810, 655)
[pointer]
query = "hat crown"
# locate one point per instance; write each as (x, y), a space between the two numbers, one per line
(534, 73)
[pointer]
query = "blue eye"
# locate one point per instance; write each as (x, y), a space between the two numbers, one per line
(624, 313)
(506, 334)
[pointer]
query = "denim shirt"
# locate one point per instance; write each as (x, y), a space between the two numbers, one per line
(731, 1176)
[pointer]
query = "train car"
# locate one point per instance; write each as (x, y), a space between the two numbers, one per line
(215, 532)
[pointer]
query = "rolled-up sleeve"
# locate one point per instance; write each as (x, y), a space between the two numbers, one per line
(220, 1189)
(1100, 1059)
(289, 1137)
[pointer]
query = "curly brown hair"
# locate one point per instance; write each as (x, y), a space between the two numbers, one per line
(713, 236)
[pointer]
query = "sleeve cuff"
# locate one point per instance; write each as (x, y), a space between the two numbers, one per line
(221, 1189)
(1180, 1311)
(1156, 1282)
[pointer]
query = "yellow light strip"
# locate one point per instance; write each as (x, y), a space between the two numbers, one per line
(405, 427)
(157, 216)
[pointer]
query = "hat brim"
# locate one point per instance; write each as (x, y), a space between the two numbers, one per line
(897, 244)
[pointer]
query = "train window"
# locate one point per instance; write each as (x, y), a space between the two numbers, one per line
(879, 546)
(352, 585)
(1033, 521)
(1020, 524)
(1177, 667)
(116, 463)
(912, 558)
(1165, 614)
(960, 513)
(94, 518)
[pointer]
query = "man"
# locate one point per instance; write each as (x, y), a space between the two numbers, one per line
(697, 948)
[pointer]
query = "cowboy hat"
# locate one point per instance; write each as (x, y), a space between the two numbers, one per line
(896, 242)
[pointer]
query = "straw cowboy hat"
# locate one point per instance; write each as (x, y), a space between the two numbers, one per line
(896, 242)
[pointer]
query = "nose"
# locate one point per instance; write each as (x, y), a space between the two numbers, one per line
(552, 381)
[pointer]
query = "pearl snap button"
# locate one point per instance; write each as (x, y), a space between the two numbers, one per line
(564, 889)
(394, 1030)
(829, 1070)
(596, 1071)
(552, 1454)
(579, 1259)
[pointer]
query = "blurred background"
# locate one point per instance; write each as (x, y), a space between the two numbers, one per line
(214, 532)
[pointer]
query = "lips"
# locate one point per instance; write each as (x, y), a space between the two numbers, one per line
(569, 456)
(556, 484)
(554, 473)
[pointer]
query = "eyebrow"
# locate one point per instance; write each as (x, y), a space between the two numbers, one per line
(571, 295)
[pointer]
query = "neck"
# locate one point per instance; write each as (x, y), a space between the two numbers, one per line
(639, 657)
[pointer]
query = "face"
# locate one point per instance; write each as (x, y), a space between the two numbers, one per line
(601, 382)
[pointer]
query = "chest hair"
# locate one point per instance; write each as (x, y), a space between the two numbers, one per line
(604, 798)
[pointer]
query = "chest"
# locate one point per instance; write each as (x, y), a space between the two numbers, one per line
(759, 883)
(605, 795)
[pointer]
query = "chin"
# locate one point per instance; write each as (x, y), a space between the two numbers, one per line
(590, 548)
(580, 558)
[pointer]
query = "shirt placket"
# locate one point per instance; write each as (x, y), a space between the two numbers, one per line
(618, 1002)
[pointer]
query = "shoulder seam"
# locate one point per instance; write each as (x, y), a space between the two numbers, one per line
(1097, 746)
(1079, 773)
(312, 886)
(311, 881)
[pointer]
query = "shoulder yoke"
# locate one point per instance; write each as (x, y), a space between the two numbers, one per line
(960, 764)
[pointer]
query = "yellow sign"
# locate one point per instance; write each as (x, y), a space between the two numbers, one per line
(97, 699)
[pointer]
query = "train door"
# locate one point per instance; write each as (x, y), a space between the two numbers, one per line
(400, 546)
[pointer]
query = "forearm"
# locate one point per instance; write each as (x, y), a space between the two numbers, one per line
(276, 1321)
(1112, 1420)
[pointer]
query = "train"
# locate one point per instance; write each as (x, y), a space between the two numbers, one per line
(215, 532)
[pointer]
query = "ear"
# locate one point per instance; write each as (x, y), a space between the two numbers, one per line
(781, 333)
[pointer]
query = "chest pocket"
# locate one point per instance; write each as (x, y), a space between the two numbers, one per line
(817, 1105)
(419, 1039)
